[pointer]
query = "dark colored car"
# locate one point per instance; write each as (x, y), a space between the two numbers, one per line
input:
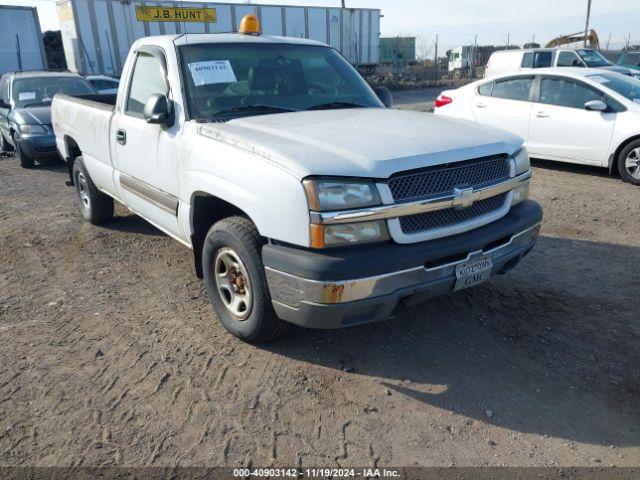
(25, 111)
(630, 60)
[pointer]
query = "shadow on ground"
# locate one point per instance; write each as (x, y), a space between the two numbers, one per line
(551, 348)
(572, 168)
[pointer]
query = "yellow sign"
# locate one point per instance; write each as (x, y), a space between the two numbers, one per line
(65, 12)
(171, 14)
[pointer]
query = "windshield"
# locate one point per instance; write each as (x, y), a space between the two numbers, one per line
(626, 86)
(40, 90)
(593, 58)
(249, 79)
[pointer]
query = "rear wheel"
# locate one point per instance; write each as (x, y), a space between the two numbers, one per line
(25, 161)
(236, 283)
(629, 163)
(95, 206)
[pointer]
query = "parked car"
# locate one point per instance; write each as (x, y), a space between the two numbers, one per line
(578, 115)
(104, 84)
(630, 60)
(25, 111)
(303, 198)
(509, 61)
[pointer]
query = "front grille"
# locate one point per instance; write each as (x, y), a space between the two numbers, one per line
(442, 180)
(451, 216)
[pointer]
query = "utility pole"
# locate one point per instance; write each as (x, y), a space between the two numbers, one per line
(608, 40)
(18, 53)
(343, 5)
(508, 40)
(435, 57)
(586, 25)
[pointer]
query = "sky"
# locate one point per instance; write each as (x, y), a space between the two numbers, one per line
(457, 22)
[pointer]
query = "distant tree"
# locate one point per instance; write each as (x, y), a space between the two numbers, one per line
(54, 51)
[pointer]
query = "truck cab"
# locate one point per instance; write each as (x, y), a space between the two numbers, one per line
(304, 198)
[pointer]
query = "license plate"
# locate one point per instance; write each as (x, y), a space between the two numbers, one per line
(473, 272)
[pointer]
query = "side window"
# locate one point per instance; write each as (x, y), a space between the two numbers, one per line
(148, 78)
(567, 93)
(568, 59)
(543, 59)
(527, 60)
(513, 89)
(485, 89)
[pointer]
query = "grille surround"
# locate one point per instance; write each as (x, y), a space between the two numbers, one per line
(443, 180)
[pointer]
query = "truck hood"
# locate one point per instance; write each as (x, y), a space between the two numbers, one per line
(362, 142)
(33, 115)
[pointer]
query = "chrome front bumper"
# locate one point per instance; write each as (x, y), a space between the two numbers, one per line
(292, 290)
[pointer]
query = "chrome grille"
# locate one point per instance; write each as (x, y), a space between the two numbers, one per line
(442, 180)
(451, 216)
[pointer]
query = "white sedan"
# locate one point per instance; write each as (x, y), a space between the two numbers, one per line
(577, 115)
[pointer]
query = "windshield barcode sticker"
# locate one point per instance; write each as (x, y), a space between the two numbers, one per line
(211, 72)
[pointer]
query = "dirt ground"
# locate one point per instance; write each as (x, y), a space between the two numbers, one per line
(111, 355)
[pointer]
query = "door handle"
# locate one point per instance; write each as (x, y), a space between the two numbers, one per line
(542, 115)
(481, 105)
(121, 136)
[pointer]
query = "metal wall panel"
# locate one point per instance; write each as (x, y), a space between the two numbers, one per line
(295, 22)
(271, 20)
(317, 24)
(23, 23)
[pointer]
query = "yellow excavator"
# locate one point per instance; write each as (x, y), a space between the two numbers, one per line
(590, 40)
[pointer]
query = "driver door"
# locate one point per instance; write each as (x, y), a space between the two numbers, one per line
(146, 155)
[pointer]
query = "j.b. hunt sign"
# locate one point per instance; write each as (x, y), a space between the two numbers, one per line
(176, 14)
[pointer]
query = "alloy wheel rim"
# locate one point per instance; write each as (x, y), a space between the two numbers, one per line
(233, 283)
(83, 191)
(632, 163)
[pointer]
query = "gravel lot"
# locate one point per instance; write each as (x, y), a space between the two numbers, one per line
(111, 354)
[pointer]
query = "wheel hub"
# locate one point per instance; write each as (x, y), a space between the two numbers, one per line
(233, 283)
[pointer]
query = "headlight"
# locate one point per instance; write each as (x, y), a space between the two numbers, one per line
(323, 236)
(521, 158)
(33, 130)
(335, 194)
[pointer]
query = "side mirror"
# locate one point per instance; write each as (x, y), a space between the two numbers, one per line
(4, 105)
(596, 106)
(158, 110)
(384, 95)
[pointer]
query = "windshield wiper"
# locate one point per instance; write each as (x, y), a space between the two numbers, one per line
(335, 105)
(35, 104)
(257, 109)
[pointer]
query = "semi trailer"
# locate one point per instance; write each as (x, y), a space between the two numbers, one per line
(21, 47)
(97, 34)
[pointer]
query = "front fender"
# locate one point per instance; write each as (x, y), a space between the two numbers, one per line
(273, 198)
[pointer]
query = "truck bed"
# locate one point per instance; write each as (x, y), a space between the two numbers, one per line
(84, 120)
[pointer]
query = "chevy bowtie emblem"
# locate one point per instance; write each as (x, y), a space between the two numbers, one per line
(464, 198)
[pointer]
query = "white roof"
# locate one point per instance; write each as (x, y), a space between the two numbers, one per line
(196, 38)
(575, 72)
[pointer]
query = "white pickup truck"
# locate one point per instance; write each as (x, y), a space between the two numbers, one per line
(303, 198)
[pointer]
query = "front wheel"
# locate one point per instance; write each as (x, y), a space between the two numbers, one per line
(629, 163)
(236, 283)
(95, 206)
(4, 145)
(23, 158)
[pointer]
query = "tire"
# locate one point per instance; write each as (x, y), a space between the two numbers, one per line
(233, 246)
(25, 161)
(4, 145)
(629, 163)
(95, 206)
